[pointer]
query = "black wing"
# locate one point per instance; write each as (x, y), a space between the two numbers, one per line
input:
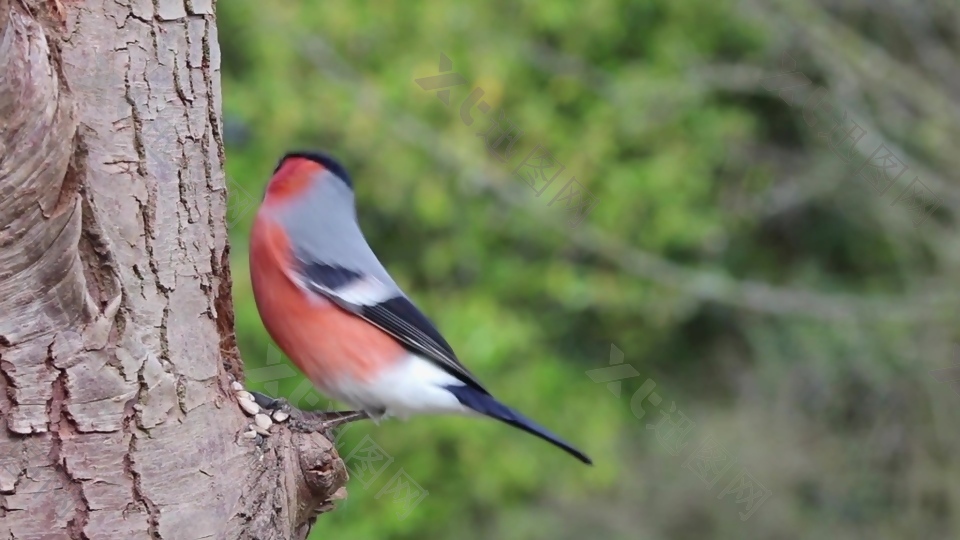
(387, 309)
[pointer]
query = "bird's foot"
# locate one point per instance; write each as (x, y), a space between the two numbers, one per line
(267, 411)
(323, 421)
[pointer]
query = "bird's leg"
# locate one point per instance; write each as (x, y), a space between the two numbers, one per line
(323, 421)
(305, 421)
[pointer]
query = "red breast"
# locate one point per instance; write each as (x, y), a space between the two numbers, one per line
(324, 341)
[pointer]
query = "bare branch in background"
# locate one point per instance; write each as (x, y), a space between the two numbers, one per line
(699, 284)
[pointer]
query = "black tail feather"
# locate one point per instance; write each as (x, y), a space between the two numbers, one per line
(488, 405)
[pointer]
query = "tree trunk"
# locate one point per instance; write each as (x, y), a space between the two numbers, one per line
(116, 325)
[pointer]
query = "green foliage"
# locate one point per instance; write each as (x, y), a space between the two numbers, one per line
(688, 169)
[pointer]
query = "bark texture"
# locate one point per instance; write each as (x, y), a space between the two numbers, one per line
(116, 325)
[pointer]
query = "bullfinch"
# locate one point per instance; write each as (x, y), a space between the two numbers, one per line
(334, 310)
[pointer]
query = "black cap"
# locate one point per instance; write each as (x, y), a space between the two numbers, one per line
(326, 161)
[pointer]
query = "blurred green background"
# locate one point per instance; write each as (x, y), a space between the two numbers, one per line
(790, 312)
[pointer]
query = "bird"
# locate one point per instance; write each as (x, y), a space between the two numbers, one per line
(331, 306)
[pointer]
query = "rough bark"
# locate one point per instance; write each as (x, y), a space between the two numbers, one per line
(116, 326)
